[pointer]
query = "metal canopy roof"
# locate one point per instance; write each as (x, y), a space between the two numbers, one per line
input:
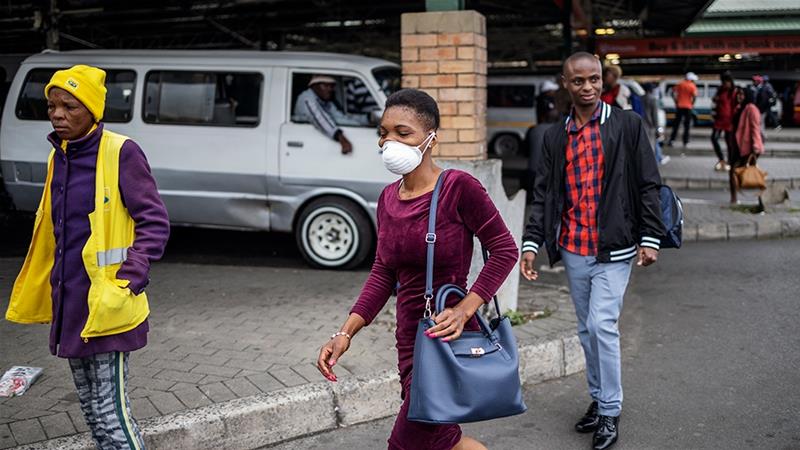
(518, 29)
(754, 26)
(743, 8)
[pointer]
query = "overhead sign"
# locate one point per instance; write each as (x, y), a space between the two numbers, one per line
(679, 46)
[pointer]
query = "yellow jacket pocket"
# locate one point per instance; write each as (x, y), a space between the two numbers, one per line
(114, 309)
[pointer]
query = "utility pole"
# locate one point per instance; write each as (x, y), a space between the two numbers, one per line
(591, 39)
(566, 30)
(51, 26)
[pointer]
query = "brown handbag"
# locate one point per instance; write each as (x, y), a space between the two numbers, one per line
(750, 176)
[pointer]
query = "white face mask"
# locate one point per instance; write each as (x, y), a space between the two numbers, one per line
(402, 159)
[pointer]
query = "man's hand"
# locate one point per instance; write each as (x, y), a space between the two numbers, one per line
(647, 256)
(347, 147)
(526, 266)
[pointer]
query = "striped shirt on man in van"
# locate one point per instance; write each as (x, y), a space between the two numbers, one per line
(316, 105)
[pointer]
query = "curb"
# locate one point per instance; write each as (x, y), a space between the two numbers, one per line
(768, 153)
(764, 228)
(772, 136)
(271, 418)
(720, 183)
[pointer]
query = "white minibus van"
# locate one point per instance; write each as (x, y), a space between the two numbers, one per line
(219, 132)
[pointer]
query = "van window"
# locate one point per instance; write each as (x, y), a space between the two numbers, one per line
(388, 79)
(202, 98)
(349, 105)
(511, 96)
(32, 105)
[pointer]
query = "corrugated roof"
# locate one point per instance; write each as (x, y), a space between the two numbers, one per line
(744, 26)
(740, 8)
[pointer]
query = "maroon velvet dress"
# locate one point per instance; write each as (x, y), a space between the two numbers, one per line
(465, 209)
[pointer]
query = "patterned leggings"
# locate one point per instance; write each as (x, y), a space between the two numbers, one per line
(101, 380)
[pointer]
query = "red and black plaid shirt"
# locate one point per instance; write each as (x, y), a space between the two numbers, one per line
(584, 178)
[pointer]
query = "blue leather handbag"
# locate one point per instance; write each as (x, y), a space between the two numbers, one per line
(473, 378)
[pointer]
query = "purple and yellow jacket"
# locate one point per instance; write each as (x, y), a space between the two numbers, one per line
(72, 199)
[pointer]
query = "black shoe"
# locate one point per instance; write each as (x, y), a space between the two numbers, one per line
(588, 422)
(607, 432)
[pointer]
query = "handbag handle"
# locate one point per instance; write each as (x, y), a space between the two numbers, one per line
(451, 289)
(430, 239)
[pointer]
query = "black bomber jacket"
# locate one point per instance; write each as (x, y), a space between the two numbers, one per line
(629, 212)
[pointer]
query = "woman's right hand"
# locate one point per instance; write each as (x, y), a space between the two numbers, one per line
(329, 355)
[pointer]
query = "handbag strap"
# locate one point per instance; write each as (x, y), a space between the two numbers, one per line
(430, 239)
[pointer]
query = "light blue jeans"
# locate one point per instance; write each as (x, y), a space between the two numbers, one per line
(597, 290)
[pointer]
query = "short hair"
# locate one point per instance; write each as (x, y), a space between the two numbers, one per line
(616, 70)
(578, 56)
(422, 104)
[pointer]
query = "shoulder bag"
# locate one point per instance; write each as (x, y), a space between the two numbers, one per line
(473, 378)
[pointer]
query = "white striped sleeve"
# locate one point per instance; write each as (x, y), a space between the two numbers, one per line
(650, 242)
(530, 246)
(321, 119)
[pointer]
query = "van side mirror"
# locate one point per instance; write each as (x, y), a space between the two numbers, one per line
(375, 117)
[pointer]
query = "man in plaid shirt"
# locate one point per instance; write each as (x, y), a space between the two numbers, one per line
(595, 199)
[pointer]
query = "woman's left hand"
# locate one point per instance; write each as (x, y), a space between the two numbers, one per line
(449, 324)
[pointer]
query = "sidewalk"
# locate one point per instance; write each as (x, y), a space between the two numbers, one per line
(719, 222)
(231, 360)
(782, 135)
(701, 146)
(708, 216)
(697, 172)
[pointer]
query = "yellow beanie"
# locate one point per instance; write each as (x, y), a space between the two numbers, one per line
(86, 83)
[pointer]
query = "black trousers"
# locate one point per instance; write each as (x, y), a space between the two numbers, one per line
(682, 115)
(715, 135)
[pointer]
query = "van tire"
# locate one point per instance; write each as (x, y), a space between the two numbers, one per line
(334, 233)
(506, 144)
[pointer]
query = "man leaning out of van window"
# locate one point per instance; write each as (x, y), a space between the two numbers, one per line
(316, 105)
(100, 224)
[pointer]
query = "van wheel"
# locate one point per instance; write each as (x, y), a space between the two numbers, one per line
(334, 233)
(506, 145)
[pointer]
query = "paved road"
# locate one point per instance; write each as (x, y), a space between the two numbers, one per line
(234, 314)
(711, 361)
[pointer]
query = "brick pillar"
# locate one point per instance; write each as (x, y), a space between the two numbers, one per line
(444, 54)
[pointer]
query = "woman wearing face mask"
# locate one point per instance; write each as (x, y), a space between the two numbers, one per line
(407, 137)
